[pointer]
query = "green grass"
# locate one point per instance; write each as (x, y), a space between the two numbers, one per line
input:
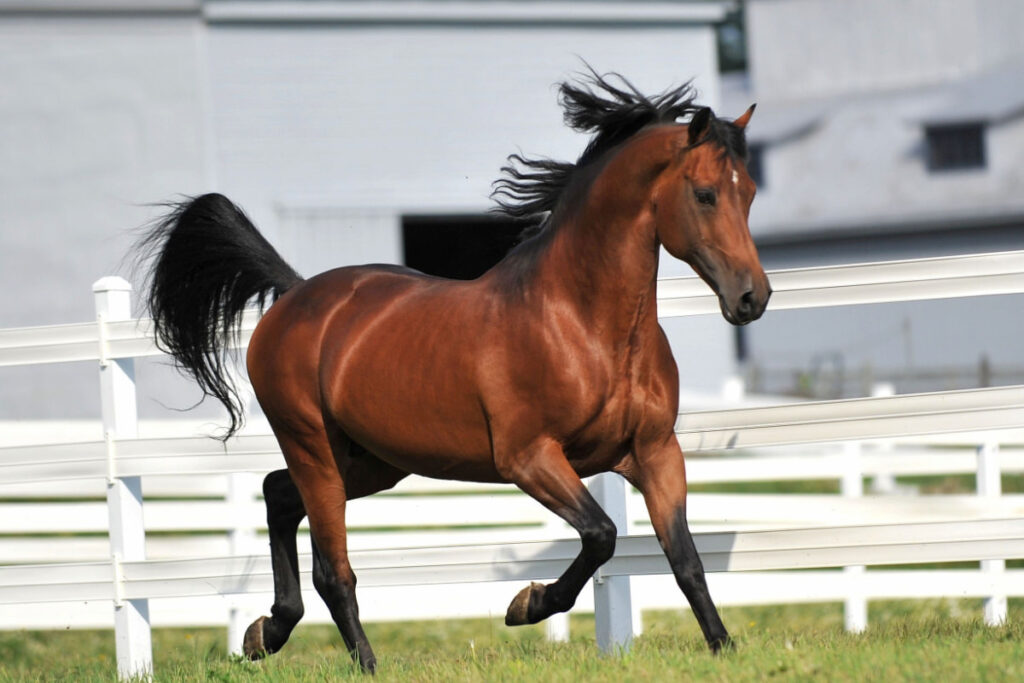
(919, 640)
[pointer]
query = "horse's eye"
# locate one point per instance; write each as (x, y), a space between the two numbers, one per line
(705, 196)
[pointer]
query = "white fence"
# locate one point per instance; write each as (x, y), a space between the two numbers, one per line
(170, 589)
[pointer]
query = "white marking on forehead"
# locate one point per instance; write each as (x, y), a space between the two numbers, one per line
(735, 177)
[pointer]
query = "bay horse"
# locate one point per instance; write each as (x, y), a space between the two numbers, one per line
(549, 367)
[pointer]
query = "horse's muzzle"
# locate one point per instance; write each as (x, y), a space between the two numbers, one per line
(747, 306)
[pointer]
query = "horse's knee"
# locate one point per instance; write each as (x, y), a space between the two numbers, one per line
(599, 538)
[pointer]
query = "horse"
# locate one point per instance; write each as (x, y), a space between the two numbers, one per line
(549, 367)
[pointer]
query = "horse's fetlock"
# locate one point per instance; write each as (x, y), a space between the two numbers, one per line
(560, 600)
(289, 613)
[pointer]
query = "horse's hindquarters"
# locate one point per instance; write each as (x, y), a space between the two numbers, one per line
(381, 354)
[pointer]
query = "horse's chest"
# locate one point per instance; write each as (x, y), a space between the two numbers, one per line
(604, 439)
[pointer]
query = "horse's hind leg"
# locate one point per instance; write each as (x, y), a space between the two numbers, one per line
(545, 474)
(285, 511)
(365, 474)
(324, 494)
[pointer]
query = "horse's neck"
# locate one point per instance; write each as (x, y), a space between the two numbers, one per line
(605, 263)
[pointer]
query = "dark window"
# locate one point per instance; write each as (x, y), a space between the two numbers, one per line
(461, 247)
(731, 40)
(952, 147)
(755, 163)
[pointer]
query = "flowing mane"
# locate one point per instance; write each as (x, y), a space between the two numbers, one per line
(613, 110)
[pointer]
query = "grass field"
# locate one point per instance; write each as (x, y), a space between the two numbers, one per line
(936, 640)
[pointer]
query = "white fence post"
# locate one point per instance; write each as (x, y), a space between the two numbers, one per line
(990, 484)
(242, 489)
(124, 494)
(613, 612)
(632, 514)
(855, 607)
(884, 482)
(556, 627)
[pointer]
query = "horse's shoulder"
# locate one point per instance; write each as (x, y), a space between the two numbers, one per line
(656, 381)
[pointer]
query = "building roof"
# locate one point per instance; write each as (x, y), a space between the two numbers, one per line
(993, 96)
(427, 12)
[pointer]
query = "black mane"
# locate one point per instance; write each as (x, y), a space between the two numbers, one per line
(532, 188)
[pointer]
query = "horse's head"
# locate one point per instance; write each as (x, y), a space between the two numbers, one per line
(704, 200)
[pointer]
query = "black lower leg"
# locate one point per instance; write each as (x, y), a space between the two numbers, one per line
(689, 573)
(597, 533)
(339, 594)
(284, 513)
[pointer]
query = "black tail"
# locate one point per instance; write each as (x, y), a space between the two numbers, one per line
(209, 263)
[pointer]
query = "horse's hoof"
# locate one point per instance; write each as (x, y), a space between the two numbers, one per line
(722, 645)
(252, 644)
(518, 612)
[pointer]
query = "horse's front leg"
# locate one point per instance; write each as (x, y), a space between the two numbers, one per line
(656, 468)
(543, 472)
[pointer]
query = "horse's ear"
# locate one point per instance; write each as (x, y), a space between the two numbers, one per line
(699, 124)
(742, 121)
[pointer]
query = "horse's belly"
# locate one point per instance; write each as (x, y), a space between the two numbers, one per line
(414, 409)
(422, 432)
(433, 462)
(452, 450)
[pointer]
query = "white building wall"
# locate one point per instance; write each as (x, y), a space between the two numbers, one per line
(98, 117)
(325, 237)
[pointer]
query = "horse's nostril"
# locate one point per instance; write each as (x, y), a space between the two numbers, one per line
(747, 301)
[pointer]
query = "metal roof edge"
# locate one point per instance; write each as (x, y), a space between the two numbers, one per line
(500, 12)
(57, 8)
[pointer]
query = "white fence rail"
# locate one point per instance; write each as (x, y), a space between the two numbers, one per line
(920, 279)
(992, 531)
(869, 283)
